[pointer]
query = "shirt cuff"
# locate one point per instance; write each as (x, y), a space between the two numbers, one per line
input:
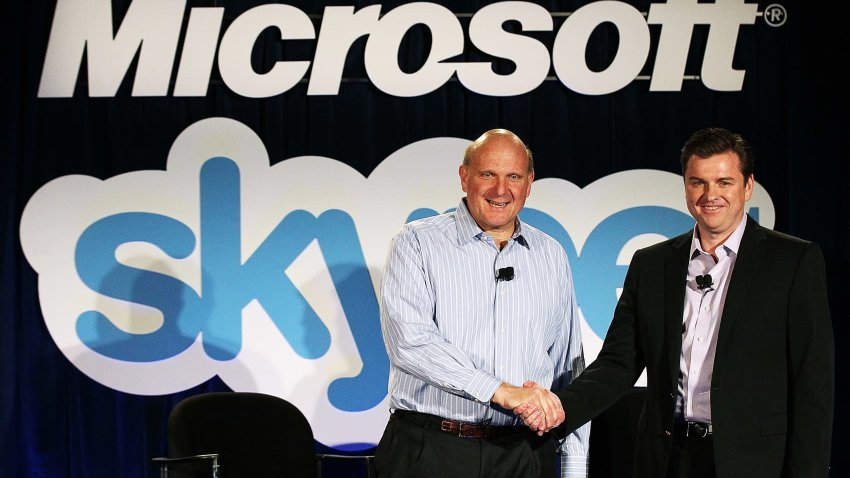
(483, 386)
(573, 466)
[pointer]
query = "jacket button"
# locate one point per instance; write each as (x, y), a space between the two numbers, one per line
(667, 433)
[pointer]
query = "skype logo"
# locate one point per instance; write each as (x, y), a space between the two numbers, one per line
(152, 282)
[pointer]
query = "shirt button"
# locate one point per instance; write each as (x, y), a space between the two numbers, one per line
(699, 339)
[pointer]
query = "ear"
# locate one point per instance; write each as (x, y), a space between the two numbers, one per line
(530, 180)
(749, 186)
(463, 172)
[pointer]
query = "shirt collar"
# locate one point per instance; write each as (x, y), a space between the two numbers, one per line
(468, 230)
(731, 245)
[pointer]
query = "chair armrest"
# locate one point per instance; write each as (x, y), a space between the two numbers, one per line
(185, 459)
(164, 462)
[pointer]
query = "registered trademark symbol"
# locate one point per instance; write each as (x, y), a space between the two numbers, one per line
(775, 15)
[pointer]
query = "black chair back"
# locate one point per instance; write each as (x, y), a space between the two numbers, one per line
(255, 435)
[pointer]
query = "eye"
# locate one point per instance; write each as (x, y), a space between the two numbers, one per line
(515, 177)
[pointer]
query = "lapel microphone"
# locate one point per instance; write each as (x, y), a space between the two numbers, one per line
(705, 282)
(505, 274)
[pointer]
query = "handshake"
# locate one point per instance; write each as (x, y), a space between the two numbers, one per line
(539, 408)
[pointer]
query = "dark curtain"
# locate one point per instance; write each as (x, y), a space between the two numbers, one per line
(57, 422)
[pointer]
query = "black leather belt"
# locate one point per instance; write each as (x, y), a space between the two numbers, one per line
(694, 429)
(456, 427)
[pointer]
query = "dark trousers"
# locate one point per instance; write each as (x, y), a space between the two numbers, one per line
(691, 457)
(418, 448)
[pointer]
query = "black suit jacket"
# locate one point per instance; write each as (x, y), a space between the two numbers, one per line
(772, 390)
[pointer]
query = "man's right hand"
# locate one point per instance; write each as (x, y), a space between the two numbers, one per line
(539, 408)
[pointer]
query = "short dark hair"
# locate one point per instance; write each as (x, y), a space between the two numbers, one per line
(710, 141)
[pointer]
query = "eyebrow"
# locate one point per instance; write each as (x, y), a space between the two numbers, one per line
(513, 173)
(697, 178)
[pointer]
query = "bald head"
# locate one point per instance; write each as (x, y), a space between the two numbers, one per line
(493, 136)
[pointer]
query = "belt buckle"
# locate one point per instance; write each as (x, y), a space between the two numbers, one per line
(701, 430)
(465, 430)
(450, 426)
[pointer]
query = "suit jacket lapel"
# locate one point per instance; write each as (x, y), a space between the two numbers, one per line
(747, 264)
(675, 273)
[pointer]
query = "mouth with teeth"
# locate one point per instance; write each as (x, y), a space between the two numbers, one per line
(496, 204)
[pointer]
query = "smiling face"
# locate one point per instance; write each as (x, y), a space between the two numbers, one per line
(716, 192)
(497, 180)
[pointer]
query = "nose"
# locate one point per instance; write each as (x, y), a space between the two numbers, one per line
(501, 187)
(711, 191)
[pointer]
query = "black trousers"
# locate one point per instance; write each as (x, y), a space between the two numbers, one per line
(418, 448)
(691, 457)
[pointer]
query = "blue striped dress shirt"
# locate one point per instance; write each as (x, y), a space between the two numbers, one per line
(454, 333)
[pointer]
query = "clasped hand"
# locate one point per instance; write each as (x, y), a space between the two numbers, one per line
(539, 408)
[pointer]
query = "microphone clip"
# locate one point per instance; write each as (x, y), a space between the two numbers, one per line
(705, 282)
(505, 274)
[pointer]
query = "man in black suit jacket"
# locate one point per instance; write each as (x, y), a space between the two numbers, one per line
(731, 322)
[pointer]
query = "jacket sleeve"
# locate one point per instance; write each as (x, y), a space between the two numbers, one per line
(812, 369)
